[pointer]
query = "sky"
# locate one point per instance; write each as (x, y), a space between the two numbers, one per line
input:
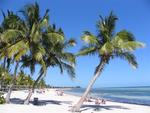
(76, 16)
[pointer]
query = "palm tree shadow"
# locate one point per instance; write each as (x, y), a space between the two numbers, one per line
(40, 102)
(45, 102)
(16, 101)
(99, 108)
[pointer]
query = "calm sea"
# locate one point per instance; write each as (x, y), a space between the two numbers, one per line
(133, 95)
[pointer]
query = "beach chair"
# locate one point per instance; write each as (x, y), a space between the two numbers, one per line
(35, 101)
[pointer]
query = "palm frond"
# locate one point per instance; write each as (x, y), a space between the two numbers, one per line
(10, 35)
(31, 13)
(21, 51)
(11, 50)
(129, 57)
(55, 37)
(123, 36)
(87, 50)
(106, 27)
(44, 22)
(28, 61)
(89, 38)
(68, 57)
(131, 45)
(107, 49)
(70, 69)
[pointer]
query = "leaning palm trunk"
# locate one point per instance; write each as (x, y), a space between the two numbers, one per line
(98, 71)
(31, 91)
(12, 84)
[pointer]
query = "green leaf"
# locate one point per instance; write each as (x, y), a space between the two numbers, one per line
(129, 57)
(55, 37)
(131, 45)
(44, 23)
(125, 36)
(91, 39)
(87, 51)
(10, 34)
(107, 49)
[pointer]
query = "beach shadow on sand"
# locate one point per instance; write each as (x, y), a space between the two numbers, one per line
(45, 102)
(100, 108)
(40, 102)
(16, 101)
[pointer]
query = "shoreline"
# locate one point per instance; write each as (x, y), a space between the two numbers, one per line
(119, 101)
(52, 103)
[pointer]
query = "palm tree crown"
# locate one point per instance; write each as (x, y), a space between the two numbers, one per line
(107, 44)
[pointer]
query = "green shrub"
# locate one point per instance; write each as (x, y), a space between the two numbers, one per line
(2, 99)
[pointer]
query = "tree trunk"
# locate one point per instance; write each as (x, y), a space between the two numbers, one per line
(12, 84)
(26, 102)
(32, 90)
(76, 107)
(4, 63)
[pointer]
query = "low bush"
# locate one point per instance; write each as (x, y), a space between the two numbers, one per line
(2, 99)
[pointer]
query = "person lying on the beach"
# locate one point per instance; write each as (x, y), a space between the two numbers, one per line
(100, 101)
(103, 101)
(59, 92)
(88, 99)
(97, 101)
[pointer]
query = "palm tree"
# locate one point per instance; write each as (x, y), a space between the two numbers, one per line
(35, 31)
(12, 48)
(24, 32)
(107, 45)
(54, 44)
(23, 39)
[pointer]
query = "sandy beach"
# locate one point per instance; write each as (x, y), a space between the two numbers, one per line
(50, 102)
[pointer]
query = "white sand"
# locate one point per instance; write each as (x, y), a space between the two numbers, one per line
(61, 104)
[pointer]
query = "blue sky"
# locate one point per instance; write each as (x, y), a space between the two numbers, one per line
(76, 16)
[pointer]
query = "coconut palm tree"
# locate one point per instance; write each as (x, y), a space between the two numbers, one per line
(35, 28)
(12, 48)
(55, 45)
(22, 39)
(27, 33)
(107, 45)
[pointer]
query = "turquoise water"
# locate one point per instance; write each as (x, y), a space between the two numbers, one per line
(134, 95)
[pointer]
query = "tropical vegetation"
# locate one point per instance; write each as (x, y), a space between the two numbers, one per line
(23, 81)
(107, 45)
(29, 40)
(2, 99)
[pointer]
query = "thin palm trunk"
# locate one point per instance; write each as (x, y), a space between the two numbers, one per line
(99, 69)
(1, 81)
(31, 91)
(12, 84)
(4, 63)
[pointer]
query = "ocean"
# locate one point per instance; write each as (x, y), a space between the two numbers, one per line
(133, 95)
